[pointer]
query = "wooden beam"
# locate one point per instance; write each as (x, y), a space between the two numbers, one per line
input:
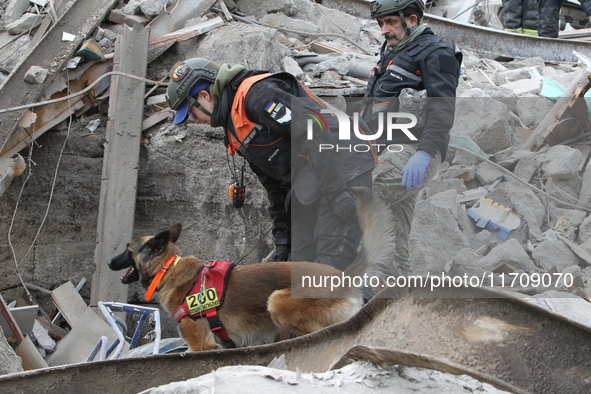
(69, 302)
(535, 139)
(177, 14)
(186, 33)
(120, 162)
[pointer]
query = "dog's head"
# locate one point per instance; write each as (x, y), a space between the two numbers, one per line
(144, 256)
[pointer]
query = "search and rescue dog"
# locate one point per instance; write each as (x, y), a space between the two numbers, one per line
(256, 300)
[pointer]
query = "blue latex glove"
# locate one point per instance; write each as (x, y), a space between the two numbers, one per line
(414, 170)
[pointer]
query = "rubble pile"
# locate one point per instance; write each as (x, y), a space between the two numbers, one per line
(510, 199)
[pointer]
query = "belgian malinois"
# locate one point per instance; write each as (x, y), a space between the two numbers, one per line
(257, 302)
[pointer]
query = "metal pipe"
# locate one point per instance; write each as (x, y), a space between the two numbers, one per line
(113, 325)
(103, 342)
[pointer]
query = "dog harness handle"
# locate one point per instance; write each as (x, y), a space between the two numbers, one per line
(159, 276)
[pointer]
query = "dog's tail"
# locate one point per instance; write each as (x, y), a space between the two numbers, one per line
(376, 222)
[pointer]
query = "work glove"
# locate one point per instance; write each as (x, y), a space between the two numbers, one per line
(281, 253)
(414, 170)
(343, 205)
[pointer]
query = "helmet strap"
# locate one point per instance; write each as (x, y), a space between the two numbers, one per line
(403, 22)
(198, 106)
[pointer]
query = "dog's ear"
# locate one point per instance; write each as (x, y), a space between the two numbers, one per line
(157, 244)
(175, 232)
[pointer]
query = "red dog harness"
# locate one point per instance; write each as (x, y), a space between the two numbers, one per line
(207, 296)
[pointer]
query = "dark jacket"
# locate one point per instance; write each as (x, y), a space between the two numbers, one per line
(430, 64)
(275, 105)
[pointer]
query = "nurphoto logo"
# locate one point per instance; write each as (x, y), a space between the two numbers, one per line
(345, 129)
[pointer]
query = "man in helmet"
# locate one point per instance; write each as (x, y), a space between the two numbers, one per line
(416, 70)
(262, 116)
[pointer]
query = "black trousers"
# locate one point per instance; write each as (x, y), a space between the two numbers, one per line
(319, 235)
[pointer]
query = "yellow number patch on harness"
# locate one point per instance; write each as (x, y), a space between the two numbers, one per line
(206, 299)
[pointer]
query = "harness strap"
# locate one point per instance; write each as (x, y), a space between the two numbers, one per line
(216, 275)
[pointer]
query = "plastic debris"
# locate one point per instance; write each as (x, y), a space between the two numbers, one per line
(493, 215)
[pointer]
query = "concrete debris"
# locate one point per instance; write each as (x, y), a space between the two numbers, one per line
(14, 9)
(288, 64)
(152, 8)
(561, 161)
(339, 64)
(435, 238)
(9, 361)
(36, 74)
(358, 377)
(487, 175)
(41, 335)
(461, 225)
(554, 253)
(24, 23)
(511, 253)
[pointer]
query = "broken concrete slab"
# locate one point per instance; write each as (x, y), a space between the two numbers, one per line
(567, 189)
(338, 64)
(435, 238)
(289, 65)
(440, 185)
(561, 161)
(281, 20)
(487, 174)
(23, 24)
(256, 47)
(466, 262)
(484, 120)
(511, 253)
(11, 54)
(479, 239)
(524, 201)
(260, 8)
(526, 167)
(524, 87)
(36, 74)
(152, 8)
(554, 253)
(575, 217)
(585, 195)
(463, 172)
(15, 9)
(9, 361)
(518, 74)
(585, 230)
(449, 201)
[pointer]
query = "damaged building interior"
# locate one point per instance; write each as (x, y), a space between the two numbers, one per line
(90, 157)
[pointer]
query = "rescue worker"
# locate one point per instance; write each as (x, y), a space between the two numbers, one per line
(265, 122)
(549, 12)
(416, 70)
(521, 16)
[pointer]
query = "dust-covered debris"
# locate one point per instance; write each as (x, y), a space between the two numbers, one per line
(359, 377)
(184, 176)
(9, 361)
